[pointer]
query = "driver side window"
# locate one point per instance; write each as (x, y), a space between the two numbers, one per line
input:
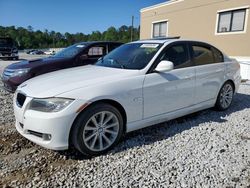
(178, 54)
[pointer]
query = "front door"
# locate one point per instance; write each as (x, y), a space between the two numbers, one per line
(165, 92)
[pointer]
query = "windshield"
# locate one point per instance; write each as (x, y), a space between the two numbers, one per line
(6, 42)
(70, 51)
(130, 56)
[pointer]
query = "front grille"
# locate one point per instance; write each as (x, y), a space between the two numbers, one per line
(35, 133)
(20, 99)
(8, 73)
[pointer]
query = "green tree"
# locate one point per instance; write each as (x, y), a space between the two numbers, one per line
(111, 34)
(95, 36)
(29, 38)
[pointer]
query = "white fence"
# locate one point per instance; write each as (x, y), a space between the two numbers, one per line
(244, 67)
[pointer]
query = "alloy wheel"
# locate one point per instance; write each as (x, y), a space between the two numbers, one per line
(101, 131)
(226, 95)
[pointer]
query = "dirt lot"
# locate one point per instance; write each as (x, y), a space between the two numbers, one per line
(205, 149)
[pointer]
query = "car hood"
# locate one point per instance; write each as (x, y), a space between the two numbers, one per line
(58, 82)
(34, 63)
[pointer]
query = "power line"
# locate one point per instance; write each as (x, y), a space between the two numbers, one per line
(132, 28)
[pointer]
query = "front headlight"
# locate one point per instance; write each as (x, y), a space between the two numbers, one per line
(20, 72)
(49, 104)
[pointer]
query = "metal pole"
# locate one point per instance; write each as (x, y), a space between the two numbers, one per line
(132, 28)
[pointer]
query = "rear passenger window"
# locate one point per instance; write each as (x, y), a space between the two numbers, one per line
(202, 55)
(178, 54)
(96, 51)
(218, 56)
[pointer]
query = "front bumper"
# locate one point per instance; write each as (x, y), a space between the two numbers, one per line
(8, 87)
(11, 83)
(9, 55)
(49, 130)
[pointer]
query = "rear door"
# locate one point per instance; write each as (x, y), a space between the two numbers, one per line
(209, 69)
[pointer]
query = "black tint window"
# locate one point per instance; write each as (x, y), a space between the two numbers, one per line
(178, 54)
(218, 57)
(113, 46)
(202, 55)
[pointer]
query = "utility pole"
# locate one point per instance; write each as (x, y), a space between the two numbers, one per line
(132, 28)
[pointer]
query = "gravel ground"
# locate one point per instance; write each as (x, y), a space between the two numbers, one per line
(205, 149)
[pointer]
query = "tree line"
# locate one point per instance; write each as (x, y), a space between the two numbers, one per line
(27, 38)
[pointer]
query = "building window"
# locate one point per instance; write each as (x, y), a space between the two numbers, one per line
(159, 29)
(231, 21)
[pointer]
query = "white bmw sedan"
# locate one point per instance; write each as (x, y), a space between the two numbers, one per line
(139, 84)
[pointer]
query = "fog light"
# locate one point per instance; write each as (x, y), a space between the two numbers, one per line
(46, 136)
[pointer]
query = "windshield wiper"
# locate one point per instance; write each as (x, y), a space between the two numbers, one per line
(117, 62)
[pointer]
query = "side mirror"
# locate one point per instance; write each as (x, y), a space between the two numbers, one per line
(164, 66)
(84, 56)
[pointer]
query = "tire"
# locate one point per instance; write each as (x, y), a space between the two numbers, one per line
(97, 129)
(225, 97)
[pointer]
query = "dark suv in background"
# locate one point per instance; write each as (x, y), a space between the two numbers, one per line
(8, 49)
(79, 54)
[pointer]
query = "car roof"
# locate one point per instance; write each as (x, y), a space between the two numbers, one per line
(166, 40)
(98, 42)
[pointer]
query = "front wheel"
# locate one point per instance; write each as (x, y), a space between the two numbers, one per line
(225, 96)
(97, 129)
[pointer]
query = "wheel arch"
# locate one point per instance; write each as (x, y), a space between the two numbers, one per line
(232, 82)
(114, 103)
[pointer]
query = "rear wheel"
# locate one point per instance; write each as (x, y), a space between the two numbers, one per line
(225, 96)
(97, 129)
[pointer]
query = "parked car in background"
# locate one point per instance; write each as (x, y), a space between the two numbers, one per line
(37, 52)
(137, 85)
(50, 52)
(8, 49)
(76, 55)
(29, 51)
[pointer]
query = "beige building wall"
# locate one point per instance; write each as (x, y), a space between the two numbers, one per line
(197, 19)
